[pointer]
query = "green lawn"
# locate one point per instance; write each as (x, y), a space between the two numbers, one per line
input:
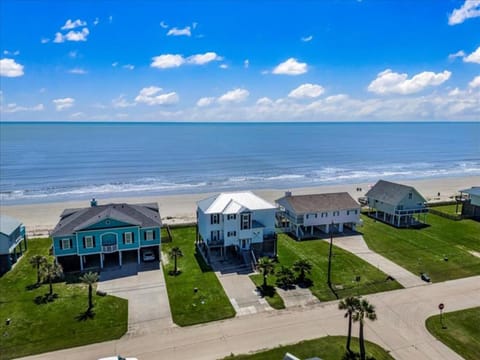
(327, 348)
(53, 325)
(345, 268)
(462, 332)
(209, 303)
(272, 296)
(424, 250)
(448, 209)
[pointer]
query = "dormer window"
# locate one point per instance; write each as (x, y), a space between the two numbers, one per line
(410, 196)
(245, 222)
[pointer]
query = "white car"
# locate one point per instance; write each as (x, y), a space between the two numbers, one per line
(148, 255)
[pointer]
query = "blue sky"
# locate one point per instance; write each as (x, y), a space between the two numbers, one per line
(343, 60)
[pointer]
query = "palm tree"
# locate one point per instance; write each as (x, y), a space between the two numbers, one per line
(175, 253)
(37, 261)
(302, 266)
(49, 272)
(350, 304)
(285, 277)
(89, 278)
(364, 310)
(266, 267)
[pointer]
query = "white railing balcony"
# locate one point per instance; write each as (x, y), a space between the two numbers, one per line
(109, 248)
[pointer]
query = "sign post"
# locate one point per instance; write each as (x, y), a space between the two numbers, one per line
(441, 306)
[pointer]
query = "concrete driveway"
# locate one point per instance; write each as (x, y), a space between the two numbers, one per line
(144, 287)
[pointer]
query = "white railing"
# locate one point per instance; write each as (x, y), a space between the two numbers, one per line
(109, 248)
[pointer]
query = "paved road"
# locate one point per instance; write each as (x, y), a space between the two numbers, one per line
(357, 245)
(399, 328)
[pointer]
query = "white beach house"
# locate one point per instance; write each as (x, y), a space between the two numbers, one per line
(471, 204)
(303, 214)
(236, 221)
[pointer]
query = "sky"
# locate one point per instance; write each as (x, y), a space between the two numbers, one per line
(330, 60)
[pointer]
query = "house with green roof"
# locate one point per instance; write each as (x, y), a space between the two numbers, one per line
(13, 242)
(396, 204)
(110, 234)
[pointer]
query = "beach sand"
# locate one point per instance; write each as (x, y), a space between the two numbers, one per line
(39, 219)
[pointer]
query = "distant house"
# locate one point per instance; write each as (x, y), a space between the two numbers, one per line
(302, 214)
(106, 234)
(13, 242)
(471, 205)
(396, 204)
(239, 221)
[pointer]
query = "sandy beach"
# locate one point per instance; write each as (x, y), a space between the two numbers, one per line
(39, 219)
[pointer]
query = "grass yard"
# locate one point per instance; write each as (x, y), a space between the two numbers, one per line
(448, 209)
(209, 303)
(462, 332)
(272, 297)
(345, 268)
(53, 325)
(424, 250)
(327, 348)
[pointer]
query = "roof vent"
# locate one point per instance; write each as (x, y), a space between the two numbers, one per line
(93, 202)
(288, 193)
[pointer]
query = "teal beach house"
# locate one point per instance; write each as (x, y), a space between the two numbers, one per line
(13, 242)
(107, 235)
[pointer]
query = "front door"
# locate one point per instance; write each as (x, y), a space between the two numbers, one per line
(245, 244)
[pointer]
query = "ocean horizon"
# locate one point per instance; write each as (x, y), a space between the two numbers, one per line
(58, 161)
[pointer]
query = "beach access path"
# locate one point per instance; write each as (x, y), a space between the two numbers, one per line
(356, 245)
(400, 328)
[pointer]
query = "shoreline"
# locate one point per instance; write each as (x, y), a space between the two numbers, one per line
(40, 218)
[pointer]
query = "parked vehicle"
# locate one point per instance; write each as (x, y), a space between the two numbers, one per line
(148, 255)
(425, 277)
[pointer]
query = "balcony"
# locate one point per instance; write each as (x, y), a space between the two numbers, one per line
(109, 248)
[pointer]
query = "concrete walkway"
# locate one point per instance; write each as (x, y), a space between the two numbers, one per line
(297, 297)
(144, 287)
(400, 328)
(357, 246)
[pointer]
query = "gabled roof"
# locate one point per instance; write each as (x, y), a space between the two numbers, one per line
(390, 192)
(73, 220)
(474, 190)
(315, 203)
(8, 224)
(233, 203)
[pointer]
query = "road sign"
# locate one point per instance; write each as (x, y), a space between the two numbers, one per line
(441, 306)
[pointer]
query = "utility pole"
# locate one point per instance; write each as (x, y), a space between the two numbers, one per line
(329, 280)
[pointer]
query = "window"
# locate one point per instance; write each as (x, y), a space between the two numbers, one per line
(65, 244)
(410, 196)
(307, 216)
(245, 224)
(214, 219)
(231, 233)
(336, 213)
(356, 212)
(348, 212)
(231, 216)
(324, 214)
(88, 242)
(316, 216)
(149, 235)
(128, 238)
(215, 235)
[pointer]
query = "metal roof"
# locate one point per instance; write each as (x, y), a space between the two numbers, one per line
(8, 224)
(474, 190)
(233, 203)
(73, 220)
(315, 203)
(390, 192)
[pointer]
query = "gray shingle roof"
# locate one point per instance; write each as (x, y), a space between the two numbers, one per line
(315, 203)
(390, 192)
(72, 220)
(8, 224)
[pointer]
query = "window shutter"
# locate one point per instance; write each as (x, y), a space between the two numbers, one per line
(84, 244)
(70, 241)
(93, 237)
(153, 234)
(144, 235)
(133, 237)
(123, 238)
(61, 244)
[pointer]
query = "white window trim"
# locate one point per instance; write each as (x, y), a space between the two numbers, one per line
(88, 239)
(149, 235)
(128, 238)
(65, 244)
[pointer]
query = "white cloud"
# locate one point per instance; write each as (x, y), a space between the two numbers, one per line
(128, 66)
(201, 59)
(167, 61)
(73, 54)
(72, 36)
(205, 101)
(64, 103)
(469, 9)
(13, 108)
(459, 53)
(194, 25)
(110, 19)
(307, 91)
(290, 67)
(179, 32)
(121, 102)
(13, 53)
(264, 101)
(307, 38)
(78, 71)
(246, 63)
(73, 24)
(44, 40)
(223, 66)
(152, 96)
(475, 83)
(96, 21)
(389, 82)
(163, 24)
(10, 68)
(233, 96)
(115, 64)
(474, 57)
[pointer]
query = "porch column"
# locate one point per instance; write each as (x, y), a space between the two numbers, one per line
(384, 216)
(340, 227)
(376, 213)
(138, 256)
(101, 261)
(398, 220)
(296, 231)
(120, 258)
(81, 262)
(327, 228)
(311, 230)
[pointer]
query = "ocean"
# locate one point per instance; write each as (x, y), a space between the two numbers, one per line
(47, 162)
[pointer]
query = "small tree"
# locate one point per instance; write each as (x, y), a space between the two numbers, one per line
(364, 310)
(349, 304)
(90, 279)
(37, 261)
(285, 277)
(266, 267)
(50, 272)
(175, 253)
(302, 266)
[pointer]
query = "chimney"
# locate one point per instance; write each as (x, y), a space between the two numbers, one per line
(288, 193)
(93, 202)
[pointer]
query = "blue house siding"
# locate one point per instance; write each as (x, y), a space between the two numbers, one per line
(156, 236)
(57, 246)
